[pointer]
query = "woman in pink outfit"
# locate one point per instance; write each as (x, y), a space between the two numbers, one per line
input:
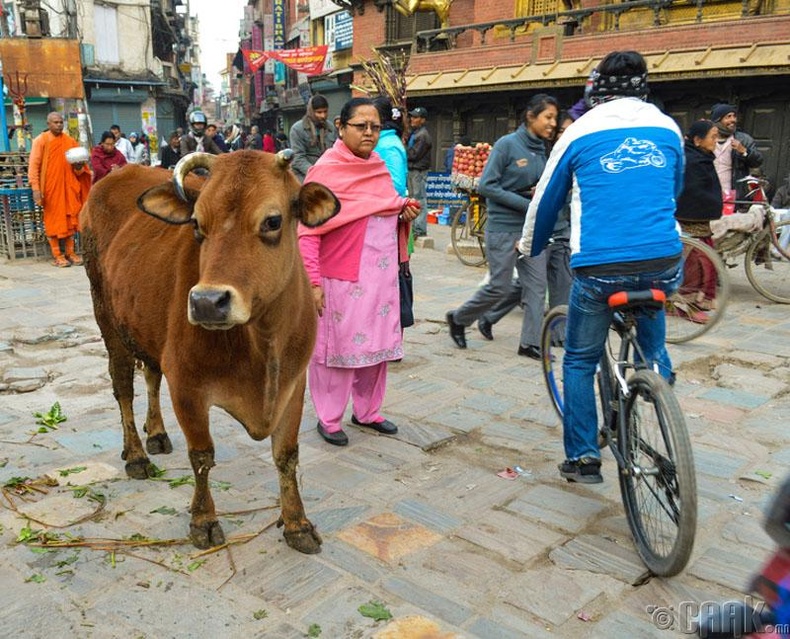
(352, 262)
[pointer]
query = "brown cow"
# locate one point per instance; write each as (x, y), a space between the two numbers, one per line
(209, 289)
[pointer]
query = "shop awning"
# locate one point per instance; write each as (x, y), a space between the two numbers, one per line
(731, 61)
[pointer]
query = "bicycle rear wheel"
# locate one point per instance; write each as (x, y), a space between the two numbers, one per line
(552, 341)
(698, 305)
(467, 234)
(768, 268)
(658, 483)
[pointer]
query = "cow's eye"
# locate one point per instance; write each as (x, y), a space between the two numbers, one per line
(199, 235)
(271, 223)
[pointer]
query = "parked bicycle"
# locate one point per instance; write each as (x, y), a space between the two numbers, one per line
(767, 259)
(467, 231)
(699, 304)
(641, 422)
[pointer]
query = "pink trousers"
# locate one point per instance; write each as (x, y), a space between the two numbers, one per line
(330, 389)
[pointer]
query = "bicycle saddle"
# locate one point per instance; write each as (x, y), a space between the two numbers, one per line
(651, 298)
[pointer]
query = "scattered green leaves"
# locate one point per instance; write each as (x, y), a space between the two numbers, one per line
(314, 630)
(65, 472)
(68, 561)
(37, 578)
(192, 567)
(16, 483)
(375, 610)
(49, 421)
(157, 472)
(260, 614)
(27, 534)
(765, 474)
(164, 510)
(184, 480)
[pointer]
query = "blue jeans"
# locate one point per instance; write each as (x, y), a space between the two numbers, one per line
(589, 317)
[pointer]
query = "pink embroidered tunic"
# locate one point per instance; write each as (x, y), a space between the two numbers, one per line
(355, 259)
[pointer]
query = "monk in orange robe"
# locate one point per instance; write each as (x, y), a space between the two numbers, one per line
(55, 185)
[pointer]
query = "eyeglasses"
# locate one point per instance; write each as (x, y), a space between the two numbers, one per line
(364, 126)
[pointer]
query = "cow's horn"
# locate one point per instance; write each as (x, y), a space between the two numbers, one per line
(284, 157)
(187, 164)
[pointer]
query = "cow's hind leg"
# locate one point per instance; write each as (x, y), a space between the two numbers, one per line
(138, 466)
(158, 441)
(121, 367)
(299, 533)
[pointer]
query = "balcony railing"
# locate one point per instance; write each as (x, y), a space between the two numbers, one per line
(577, 21)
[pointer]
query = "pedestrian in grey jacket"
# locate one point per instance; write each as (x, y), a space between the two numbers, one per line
(510, 175)
(311, 136)
(736, 152)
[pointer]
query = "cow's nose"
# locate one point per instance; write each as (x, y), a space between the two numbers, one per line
(210, 306)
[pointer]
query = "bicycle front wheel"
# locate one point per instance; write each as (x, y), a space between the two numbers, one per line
(552, 349)
(699, 303)
(657, 482)
(467, 234)
(768, 268)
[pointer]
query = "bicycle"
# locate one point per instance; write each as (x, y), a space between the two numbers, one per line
(467, 231)
(699, 303)
(767, 259)
(641, 422)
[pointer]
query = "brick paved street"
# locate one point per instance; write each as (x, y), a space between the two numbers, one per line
(419, 522)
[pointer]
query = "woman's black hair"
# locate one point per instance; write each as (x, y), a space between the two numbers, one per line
(350, 107)
(387, 114)
(105, 135)
(699, 129)
(539, 103)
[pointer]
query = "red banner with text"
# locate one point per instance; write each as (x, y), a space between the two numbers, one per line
(307, 60)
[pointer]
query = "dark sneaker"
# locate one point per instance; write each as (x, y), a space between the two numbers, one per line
(586, 470)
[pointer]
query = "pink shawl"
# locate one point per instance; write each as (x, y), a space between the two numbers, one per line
(364, 188)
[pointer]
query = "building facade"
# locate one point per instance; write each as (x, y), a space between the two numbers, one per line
(137, 62)
(475, 75)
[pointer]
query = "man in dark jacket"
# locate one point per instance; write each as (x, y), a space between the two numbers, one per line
(736, 152)
(418, 153)
(311, 136)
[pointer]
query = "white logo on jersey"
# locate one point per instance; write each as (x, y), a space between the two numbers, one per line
(633, 154)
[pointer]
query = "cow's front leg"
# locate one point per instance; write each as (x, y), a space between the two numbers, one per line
(299, 533)
(204, 529)
(158, 441)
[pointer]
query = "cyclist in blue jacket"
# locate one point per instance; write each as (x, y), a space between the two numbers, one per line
(624, 160)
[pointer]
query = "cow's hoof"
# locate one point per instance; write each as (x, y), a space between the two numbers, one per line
(206, 536)
(159, 444)
(140, 469)
(306, 540)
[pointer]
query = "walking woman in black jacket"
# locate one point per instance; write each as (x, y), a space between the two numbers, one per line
(698, 204)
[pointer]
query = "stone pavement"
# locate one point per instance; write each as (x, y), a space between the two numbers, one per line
(419, 522)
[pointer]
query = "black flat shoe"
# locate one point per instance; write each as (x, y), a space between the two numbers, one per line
(338, 438)
(533, 352)
(484, 326)
(457, 331)
(386, 427)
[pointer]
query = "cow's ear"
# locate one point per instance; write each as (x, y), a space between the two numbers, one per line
(162, 203)
(316, 204)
